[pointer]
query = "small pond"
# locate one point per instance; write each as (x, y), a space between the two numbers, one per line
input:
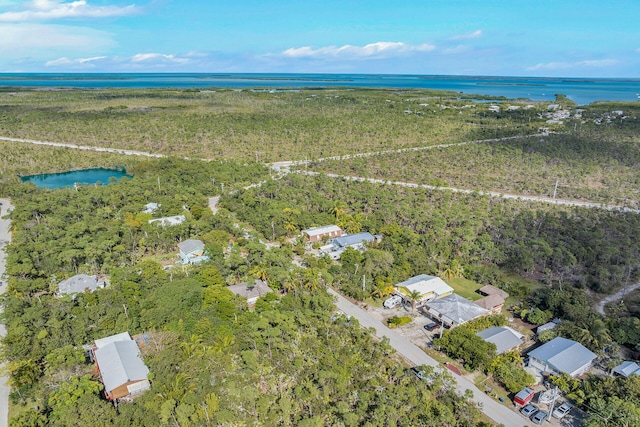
(79, 177)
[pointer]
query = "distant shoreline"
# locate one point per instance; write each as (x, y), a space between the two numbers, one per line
(581, 90)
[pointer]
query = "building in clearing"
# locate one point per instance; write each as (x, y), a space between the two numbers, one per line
(429, 288)
(316, 234)
(151, 207)
(168, 220)
(454, 310)
(561, 355)
(251, 293)
(121, 368)
(80, 283)
(355, 241)
(503, 337)
(192, 251)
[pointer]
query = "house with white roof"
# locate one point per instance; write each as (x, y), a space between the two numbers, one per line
(316, 234)
(429, 288)
(121, 368)
(151, 207)
(503, 337)
(454, 310)
(627, 368)
(561, 355)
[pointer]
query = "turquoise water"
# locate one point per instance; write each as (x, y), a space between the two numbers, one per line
(582, 91)
(53, 181)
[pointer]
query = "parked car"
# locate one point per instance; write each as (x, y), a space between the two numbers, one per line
(529, 410)
(392, 301)
(562, 410)
(421, 374)
(539, 417)
(431, 326)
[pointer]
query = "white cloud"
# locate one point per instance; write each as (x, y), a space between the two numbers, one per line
(44, 40)
(41, 10)
(373, 50)
(468, 36)
(158, 57)
(594, 63)
(66, 61)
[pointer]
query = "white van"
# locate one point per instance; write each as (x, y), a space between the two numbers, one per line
(392, 302)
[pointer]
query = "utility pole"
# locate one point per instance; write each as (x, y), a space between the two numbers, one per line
(553, 402)
(555, 189)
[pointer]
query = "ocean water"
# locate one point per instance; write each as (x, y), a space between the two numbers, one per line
(582, 91)
(69, 179)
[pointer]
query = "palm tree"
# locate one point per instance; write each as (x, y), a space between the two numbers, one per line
(414, 296)
(260, 271)
(339, 208)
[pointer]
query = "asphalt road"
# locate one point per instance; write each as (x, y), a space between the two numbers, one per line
(5, 238)
(494, 410)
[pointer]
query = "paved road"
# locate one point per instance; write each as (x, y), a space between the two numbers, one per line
(494, 410)
(5, 238)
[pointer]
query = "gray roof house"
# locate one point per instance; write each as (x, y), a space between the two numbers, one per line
(192, 251)
(627, 369)
(122, 370)
(80, 283)
(251, 293)
(561, 355)
(454, 310)
(355, 241)
(503, 337)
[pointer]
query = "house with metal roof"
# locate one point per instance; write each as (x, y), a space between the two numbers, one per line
(429, 288)
(151, 207)
(454, 310)
(192, 251)
(561, 355)
(121, 368)
(355, 241)
(503, 337)
(627, 368)
(80, 283)
(251, 291)
(316, 234)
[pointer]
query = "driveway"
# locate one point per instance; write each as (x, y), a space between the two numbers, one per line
(492, 409)
(5, 238)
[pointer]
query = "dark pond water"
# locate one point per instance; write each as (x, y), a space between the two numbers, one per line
(79, 177)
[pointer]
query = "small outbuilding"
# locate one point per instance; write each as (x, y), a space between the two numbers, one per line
(80, 283)
(626, 369)
(503, 337)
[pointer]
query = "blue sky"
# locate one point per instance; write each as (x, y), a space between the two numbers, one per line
(571, 38)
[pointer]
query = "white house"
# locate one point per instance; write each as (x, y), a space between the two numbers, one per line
(503, 337)
(121, 368)
(429, 287)
(316, 234)
(561, 355)
(168, 220)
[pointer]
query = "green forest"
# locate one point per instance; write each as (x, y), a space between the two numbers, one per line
(292, 359)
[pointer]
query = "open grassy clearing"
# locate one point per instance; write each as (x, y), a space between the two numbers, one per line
(588, 166)
(253, 125)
